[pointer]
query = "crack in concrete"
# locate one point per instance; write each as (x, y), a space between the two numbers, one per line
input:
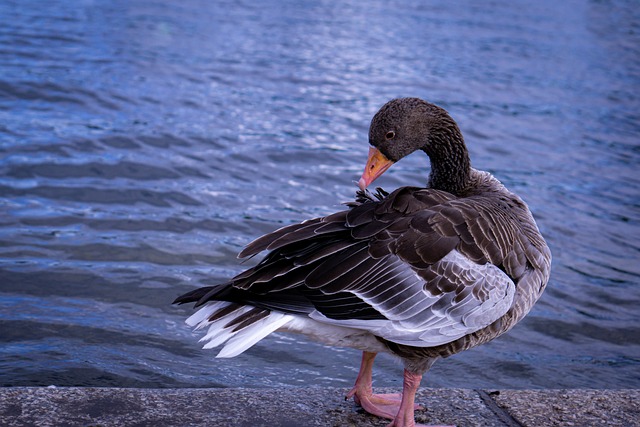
(502, 414)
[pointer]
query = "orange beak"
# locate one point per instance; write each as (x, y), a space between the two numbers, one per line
(377, 164)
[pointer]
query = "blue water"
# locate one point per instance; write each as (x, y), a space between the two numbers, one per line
(143, 143)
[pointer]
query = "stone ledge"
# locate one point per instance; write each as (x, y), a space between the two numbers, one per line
(289, 407)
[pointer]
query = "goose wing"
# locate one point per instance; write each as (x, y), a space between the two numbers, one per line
(420, 267)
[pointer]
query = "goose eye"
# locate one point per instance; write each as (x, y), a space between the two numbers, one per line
(390, 135)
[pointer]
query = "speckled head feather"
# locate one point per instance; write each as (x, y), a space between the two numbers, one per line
(405, 125)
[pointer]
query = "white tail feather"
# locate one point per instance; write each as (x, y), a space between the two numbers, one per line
(254, 333)
(199, 318)
(222, 337)
(216, 328)
(238, 341)
(215, 331)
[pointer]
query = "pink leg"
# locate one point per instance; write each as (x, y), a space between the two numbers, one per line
(382, 405)
(405, 417)
(399, 408)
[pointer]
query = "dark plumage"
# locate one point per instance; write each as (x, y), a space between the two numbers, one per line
(420, 273)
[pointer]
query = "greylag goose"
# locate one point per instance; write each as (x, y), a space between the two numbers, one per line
(419, 273)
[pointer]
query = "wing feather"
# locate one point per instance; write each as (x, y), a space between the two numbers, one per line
(419, 267)
(262, 243)
(332, 268)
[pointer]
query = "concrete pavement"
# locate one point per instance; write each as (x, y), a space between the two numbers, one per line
(289, 407)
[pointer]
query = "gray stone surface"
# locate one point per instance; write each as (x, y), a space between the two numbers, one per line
(572, 407)
(23, 406)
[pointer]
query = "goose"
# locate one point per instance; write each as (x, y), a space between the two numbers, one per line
(420, 273)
